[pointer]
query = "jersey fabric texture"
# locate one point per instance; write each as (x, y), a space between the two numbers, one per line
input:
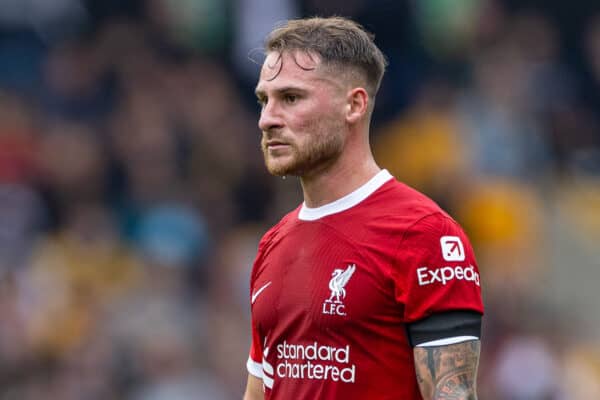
(333, 289)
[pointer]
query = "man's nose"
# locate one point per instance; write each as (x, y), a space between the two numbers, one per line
(269, 118)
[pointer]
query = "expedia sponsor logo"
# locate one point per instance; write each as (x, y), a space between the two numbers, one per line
(315, 361)
(427, 276)
(452, 248)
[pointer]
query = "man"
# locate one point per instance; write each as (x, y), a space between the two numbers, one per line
(368, 290)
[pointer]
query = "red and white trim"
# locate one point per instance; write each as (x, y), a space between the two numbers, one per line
(346, 202)
(254, 368)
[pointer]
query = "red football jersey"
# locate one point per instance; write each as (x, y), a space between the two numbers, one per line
(332, 289)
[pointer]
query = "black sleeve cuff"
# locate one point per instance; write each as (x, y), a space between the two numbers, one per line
(444, 325)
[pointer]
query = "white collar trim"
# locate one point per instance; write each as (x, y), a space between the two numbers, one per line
(346, 202)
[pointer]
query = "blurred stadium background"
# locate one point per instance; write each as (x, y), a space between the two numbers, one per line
(133, 195)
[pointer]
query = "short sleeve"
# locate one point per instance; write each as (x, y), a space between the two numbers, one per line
(436, 270)
(254, 364)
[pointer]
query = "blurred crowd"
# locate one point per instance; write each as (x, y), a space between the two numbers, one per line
(133, 194)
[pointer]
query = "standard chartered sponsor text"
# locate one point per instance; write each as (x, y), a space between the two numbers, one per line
(314, 361)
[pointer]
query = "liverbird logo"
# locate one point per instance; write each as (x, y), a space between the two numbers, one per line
(339, 279)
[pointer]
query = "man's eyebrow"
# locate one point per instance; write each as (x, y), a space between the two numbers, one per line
(291, 89)
(283, 89)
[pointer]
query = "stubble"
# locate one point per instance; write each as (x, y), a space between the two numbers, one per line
(317, 153)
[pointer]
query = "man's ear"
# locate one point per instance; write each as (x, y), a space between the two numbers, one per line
(357, 104)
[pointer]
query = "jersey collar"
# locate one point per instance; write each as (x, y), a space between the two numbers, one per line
(346, 202)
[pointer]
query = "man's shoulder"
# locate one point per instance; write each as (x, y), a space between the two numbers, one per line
(399, 202)
(418, 218)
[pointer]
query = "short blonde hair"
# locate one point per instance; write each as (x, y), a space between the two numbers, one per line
(339, 43)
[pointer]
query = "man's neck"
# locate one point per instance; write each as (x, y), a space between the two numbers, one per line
(337, 181)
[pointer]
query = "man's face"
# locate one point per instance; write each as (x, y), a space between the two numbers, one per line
(302, 121)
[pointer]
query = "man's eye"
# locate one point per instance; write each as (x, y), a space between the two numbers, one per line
(291, 98)
(262, 102)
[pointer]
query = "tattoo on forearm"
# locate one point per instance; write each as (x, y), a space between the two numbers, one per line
(448, 372)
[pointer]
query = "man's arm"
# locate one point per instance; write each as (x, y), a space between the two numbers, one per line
(448, 372)
(254, 389)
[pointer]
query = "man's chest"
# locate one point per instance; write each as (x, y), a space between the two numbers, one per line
(321, 283)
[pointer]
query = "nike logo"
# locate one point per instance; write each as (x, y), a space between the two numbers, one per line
(259, 291)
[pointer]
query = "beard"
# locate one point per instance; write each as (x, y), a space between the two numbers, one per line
(317, 153)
